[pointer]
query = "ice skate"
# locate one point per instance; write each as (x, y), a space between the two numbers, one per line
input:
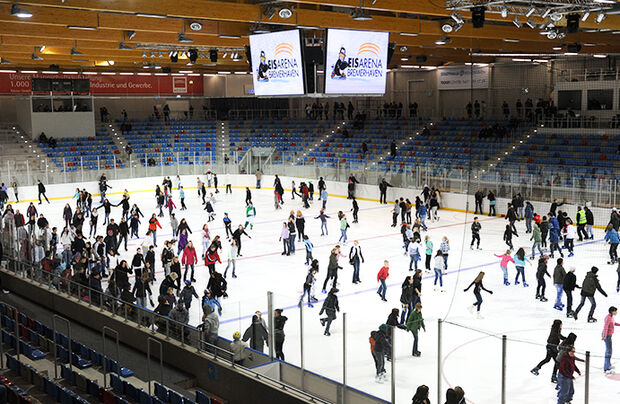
(592, 320)
(544, 299)
(471, 309)
(609, 372)
(479, 316)
(535, 371)
(525, 285)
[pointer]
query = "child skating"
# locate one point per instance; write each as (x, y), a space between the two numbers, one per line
(506, 258)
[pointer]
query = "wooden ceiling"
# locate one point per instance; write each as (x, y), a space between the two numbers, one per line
(227, 24)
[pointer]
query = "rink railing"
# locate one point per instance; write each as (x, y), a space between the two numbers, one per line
(306, 384)
(544, 185)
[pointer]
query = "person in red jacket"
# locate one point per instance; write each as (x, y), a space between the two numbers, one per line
(153, 225)
(170, 205)
(381, 277)
(211, 258)
(565, 377)
(19, 219)
(190, 259)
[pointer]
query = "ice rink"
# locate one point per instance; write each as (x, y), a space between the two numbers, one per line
(471, 350)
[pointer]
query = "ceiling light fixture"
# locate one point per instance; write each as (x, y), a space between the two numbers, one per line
(151, 15)
(36, 57)
(82, 27)
(504, 12)
(122, 46)
(285, 13)
(517, 23)
(599, 56)
(585, 16)
(600, 17)
(443, 41)
(552, 35)
(224, 55)
(555, 16)
(75, 52)
(511, 40)
(456, 17)
(195, 26)
(130, 34)
(546, 13)
(269, 12)
(111, 62)
(561, 35)
(456, 27)
(447, 28)
(529, 12)
(359, 14)
(183, 39)
(20, 12)
(530, 23)
(224, 36)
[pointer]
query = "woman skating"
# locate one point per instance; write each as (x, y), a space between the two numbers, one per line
(291, 236)
(429, 253)
(332, 268)
(445, 250)
(553, 341)
(506, 258)
(406, 298)
(356, 258)
(232, 258)
(382, 276)
(520, 261)
(611, 236)
(189, 259)
(284, 239)
(478, 286)
(300, 223)
(343, 228)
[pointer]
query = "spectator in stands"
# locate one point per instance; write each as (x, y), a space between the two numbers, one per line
(393, 149)
(210, 326)
(128, 149)
(469, 109)
(505, 109)
(477, 109)
(350, 110)
(179, 314)
(166, 110)
(238, 349)
(413, 110)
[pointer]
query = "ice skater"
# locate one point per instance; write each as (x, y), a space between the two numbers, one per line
(308, 283)
(250, 214)
(541, 272)
(439, 268)
(588, 289)
(520, 260)
(508, 236)
(478, 286)
(415, 322)
(330, 308)
(506, 258)
(553, 341)
(382, 276)
(475, 234)
(332, 268)
(323, 218)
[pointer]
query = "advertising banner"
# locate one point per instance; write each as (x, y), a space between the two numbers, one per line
(277, 64)
(460, 77)
(21, 83)
(356, 62)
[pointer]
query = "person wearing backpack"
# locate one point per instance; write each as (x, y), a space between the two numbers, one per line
(588, 289)
(414, 323)
(379, 346)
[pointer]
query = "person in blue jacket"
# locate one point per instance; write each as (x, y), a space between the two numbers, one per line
(554, 240)
(520, 261)
(611, 236)
(422, 213)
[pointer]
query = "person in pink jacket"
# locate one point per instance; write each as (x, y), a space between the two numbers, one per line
(171, 206)
(506, 258)
(608, 331)
(383, 274)
(190, 259)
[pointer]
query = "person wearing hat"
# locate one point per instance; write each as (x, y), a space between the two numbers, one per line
(168, 282)
(257, 334)
(278, 323)
(379, 347)
(238, 348)
(330, 307)
(262, 68)
(187, 294)
(588, 289)
(340, 65)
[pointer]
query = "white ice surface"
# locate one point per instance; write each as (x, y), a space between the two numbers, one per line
(471, 359)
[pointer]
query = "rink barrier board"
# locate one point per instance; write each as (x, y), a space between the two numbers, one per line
(240, 388)
(501, 202)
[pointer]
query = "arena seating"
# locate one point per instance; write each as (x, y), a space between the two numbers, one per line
(572, 155)
(451, 144)
(288, 136)
(35, 334)
(345, 145)
(192, 140)
(93, 152)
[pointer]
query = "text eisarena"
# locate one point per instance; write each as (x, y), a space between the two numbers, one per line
(283, 68)
(364, 67)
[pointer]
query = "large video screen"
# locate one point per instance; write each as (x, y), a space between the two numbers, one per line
(356, 62)
(277, 64)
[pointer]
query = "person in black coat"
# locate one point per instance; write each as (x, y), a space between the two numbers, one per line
(406, 298)
(169, 282)
(553, 341)
(121, 275)
(569, 284)
(330, 307)
(278, 324)
(383, 186)
(123, 232)
(41, 188)
(257, 334)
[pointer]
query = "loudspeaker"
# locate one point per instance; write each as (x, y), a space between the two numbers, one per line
(248, 55)
(572, 23)
(421, 58)
(573, 47)
(477, 16)
(174, 58)
(213, 55)
(54, 68)
(391, 47)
